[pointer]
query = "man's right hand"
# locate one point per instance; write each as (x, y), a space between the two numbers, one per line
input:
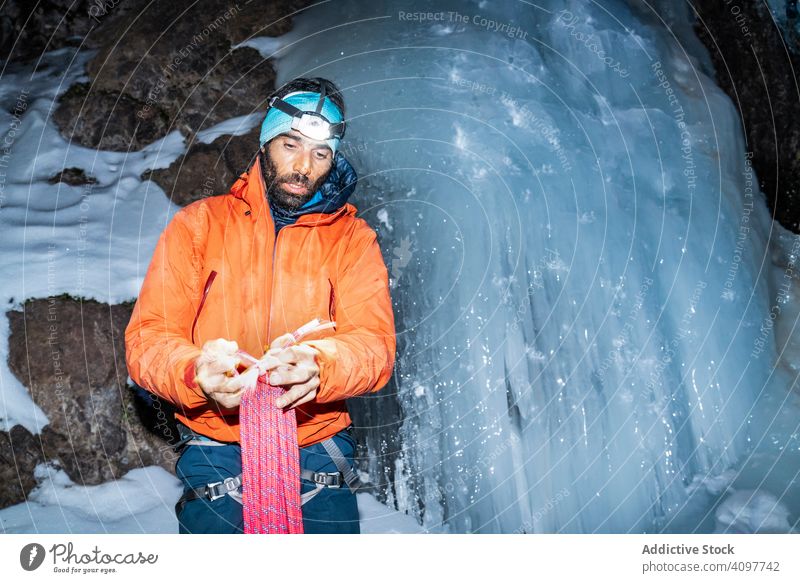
(214, 372)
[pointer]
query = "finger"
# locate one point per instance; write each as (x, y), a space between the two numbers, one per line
(210, 382)
(296, 393)
(226, 401)
(214, 370)
(228, 346)
(220, 383)
(287, 355)
(221, 345)
(220, 348)
(306, 351)
(310, 396)
(291, 376)
(280, 375)
(243, 382)
(230, 386)
(282, 341)
(269, 362)
(229, 364)
(217, 363)
(226, 392)
(297, 353)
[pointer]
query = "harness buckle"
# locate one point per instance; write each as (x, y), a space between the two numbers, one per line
(329, 479)
(215, 493)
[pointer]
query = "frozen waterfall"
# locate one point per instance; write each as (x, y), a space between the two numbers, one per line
(579, 258)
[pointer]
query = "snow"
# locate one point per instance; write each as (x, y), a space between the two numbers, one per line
(377, 518)
(266, 45)
(752, 511)
(142, 501)
(235, 126)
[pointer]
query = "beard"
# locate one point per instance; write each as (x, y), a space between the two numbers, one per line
(277, 196)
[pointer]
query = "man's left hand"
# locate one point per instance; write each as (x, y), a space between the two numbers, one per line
(298, 373)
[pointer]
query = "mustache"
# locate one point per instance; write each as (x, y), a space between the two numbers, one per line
(296, 178)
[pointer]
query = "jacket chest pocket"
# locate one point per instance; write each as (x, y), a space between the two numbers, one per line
(332, 302)
(308, 294)
(206, 289)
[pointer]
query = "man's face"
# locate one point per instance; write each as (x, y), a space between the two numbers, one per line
(295, 168)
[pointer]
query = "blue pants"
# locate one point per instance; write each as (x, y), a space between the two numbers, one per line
(332, 510)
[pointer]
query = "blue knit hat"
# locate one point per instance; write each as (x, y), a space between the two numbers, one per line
(277, 122)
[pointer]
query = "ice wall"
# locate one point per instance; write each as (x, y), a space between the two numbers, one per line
(577, 247)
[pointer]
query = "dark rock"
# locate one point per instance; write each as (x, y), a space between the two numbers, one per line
(20, 453)
(206, 169)
(29, 28)
(167, 67)
(755, 69)
(108, 120)
(73, 177)
(153, 416)
(71, 355)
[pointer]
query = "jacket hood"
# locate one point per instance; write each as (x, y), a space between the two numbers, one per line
(332, 195)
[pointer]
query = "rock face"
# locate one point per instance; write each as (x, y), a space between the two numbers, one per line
(71, 355)
(757, 67)
(108, 120)
(28, 28)
(72, 176)
(162, 67)
(206, 169)
(20, 452)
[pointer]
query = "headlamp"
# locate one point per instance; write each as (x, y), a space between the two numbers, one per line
(311, 124)
(311, 113)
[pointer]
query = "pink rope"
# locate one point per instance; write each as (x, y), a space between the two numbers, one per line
(270, 454)
(270, 464)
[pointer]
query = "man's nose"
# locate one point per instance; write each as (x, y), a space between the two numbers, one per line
(302, 164)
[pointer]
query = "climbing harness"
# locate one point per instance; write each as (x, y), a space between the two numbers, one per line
(232, 486)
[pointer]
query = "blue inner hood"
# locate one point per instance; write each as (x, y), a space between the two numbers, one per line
(331, 196)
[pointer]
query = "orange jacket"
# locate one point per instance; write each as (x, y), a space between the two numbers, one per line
(219, 271)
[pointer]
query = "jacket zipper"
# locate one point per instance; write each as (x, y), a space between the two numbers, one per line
(207, 287)
(332, 302)
(272, 285)
(272, 280)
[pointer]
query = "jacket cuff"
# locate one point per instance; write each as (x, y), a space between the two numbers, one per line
(188, 376)
(195, 393)
(326, 353)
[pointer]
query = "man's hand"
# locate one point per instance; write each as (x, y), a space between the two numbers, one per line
(214, 372)
(298, 373)
(281, 342)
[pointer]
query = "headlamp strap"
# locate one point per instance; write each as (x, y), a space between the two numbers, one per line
(285, 107)
(321, 96)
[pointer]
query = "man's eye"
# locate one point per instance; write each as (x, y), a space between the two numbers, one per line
(288, 145)
(322, 155)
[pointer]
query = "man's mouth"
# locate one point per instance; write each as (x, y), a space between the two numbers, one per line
(295, 188)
